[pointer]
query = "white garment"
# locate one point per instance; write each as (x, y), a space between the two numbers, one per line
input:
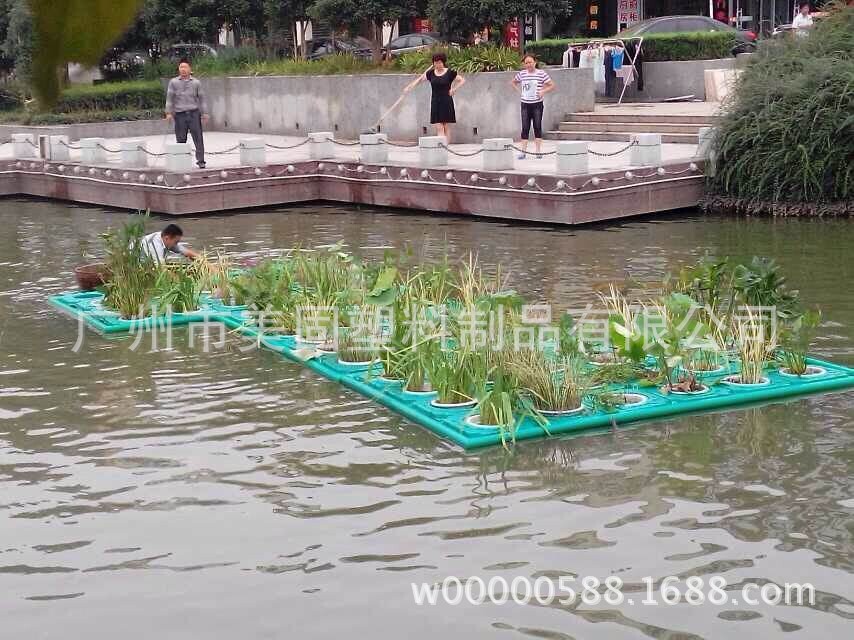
(567, 59)
(802, 21)
(154, 248)
(598, 63)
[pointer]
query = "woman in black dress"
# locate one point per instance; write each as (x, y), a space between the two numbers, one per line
(444, 82)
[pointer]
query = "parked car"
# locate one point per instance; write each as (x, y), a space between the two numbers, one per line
(358, 47)
(412, 42)
(746, 40)
(185, 51)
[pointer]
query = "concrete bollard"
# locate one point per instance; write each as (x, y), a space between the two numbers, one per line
(432, 151)
(92, 151)
(24, 145)
(374, 148)
(58, 148)
(647, 150)
(253, 152)
(497, 154)
(572, 157)
(179, 156)
(320, 145)
(132, 154)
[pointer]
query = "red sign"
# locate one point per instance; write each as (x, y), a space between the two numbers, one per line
(513, 34)
(422, 25)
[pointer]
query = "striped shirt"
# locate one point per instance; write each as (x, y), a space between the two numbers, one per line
(530, 82)
(154, 247)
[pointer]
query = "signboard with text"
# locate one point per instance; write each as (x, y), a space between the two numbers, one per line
(513, 34)
(628, 12)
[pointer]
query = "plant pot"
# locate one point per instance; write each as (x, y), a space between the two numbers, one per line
(701, 391)
(91, 276)
(390, 380)
(564, 412)
(452, 405)
(419, 393)
(347, 363)
(474, 422)
(733, 381)
(707, 372)
(812, 371)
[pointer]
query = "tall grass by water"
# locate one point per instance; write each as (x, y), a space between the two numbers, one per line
(788, 137)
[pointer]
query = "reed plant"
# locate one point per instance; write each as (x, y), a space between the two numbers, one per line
(555, 384)
(755, 344)
(133, 274)
(786, 134)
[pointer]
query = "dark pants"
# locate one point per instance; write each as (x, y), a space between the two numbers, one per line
(190, 121)
(532, 113)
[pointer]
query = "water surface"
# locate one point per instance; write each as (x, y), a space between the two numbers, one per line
(177, 494)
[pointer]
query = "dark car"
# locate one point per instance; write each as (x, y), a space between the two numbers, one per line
(412, 42)
(358, 47)
(746, 40)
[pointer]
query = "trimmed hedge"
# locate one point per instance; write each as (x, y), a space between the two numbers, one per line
(697, 45)
(128, 96)
(79, 117)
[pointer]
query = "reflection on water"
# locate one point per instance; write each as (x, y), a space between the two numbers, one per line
(232, 494)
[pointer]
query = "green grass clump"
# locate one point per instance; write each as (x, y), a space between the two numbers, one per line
(788, 133)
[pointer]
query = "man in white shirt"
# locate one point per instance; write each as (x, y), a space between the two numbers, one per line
(803, 20)
(160, 244)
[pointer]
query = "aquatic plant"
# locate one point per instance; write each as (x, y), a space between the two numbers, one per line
(133, 274)
(755, 344)
(556, 385)
(456, 375)
(505, 404)
(177, 288)
(795, 340)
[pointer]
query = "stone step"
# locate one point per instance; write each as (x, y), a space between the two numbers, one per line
(652, 118)
(621, 136)
(634, 127)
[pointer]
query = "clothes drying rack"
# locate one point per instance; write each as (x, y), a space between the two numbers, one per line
(622, 43)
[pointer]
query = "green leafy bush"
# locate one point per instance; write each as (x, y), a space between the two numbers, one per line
(467, 60)
(78, 117)
(696, 45)
(788, 133)
(11, 98)
(108, 96)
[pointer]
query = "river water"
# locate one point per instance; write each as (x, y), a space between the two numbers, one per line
(175, 494)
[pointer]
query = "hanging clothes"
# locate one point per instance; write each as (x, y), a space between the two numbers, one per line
(597, 56)
(610, 76)
(617, 57)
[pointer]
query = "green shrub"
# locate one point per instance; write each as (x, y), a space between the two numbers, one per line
(788, 132)
(135, 95)
(46, 119)
(467, 60)
(696, 45)
(338, 64)
(11, 98)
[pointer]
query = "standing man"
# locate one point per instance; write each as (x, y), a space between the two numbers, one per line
(187, 105)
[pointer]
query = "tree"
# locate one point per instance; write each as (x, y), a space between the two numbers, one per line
(352, 14)
(293, 15)
(459, 19)
(16, 37)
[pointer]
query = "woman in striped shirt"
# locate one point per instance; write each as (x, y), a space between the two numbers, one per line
(532, 84)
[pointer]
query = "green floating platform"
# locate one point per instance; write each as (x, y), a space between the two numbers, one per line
(451, 423)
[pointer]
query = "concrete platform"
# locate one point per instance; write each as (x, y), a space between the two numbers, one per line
(531, 191)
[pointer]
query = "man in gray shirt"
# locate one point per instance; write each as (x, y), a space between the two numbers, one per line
(187, 105)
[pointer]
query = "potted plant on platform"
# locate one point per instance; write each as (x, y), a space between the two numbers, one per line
(557, 386)
(794, 346)
(132, 274)
(457, 376)
(756, 343)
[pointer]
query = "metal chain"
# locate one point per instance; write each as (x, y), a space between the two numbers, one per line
(537, 153)
(224, 152)
(457, 153)
(294, 146)
(615, 153)
(70, 146)
(341, 143)
(398, 144)
(107, 149)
